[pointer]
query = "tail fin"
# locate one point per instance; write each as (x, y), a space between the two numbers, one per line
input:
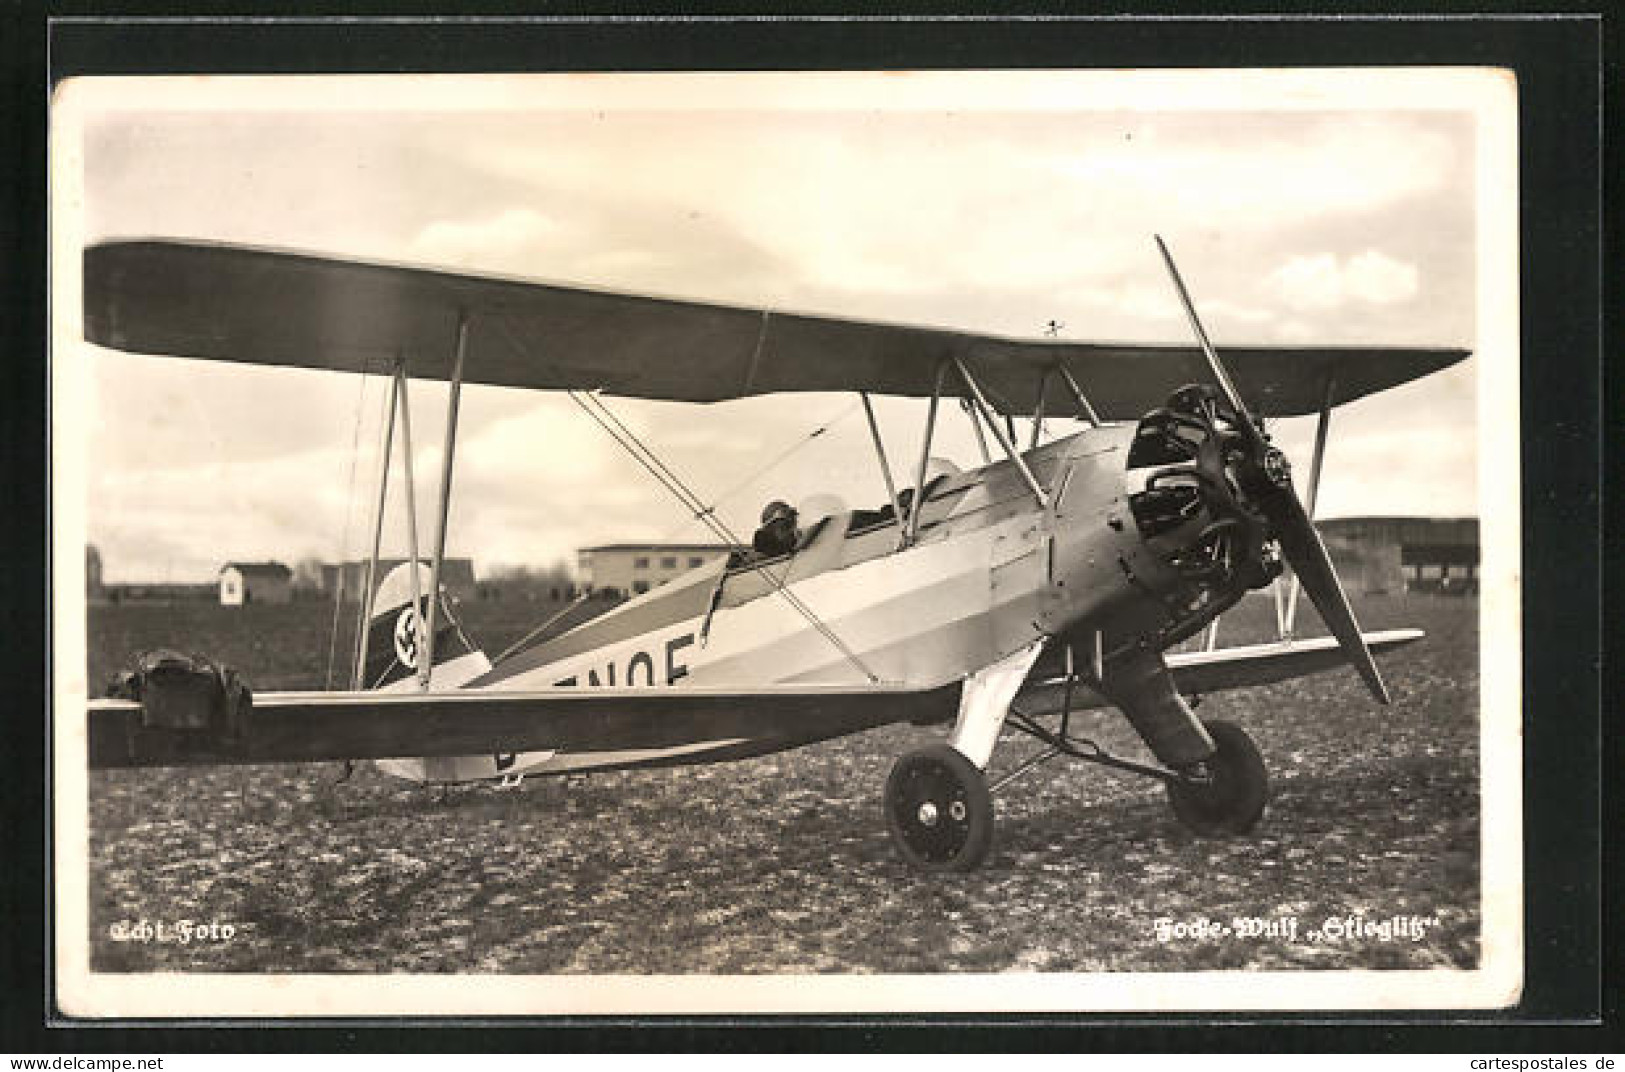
(393, 637)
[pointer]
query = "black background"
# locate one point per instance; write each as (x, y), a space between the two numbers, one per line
(1561, 63)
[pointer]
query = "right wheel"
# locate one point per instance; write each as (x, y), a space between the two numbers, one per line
(939, 810)
(1229, 799)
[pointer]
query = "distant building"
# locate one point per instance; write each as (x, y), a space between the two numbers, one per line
(456, 577)
(634, 568)
(242, 583)
(95, 591)
(160, 592)
(1404, 554)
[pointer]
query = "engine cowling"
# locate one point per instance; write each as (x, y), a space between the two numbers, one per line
(1193, 478)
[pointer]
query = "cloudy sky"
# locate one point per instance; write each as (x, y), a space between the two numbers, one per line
(978, 201)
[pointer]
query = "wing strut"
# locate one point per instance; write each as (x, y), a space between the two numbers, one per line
(1038, 410)
(453, 401)
(400, 406)
(411, 510)
(365, 603)
(1321, 429)
(915, 506)
(1082, 399)
(999, 433)
(885, 466)
(976, 426)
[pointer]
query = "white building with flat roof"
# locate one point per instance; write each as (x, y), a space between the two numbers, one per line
(634, 568)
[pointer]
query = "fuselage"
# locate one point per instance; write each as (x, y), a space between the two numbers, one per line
(989, 571)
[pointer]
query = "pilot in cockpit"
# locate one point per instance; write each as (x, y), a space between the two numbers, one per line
(778, 534)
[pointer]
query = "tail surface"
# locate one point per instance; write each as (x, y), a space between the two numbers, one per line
(394, 637)
(394, 648)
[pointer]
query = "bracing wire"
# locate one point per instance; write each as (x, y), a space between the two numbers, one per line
(689, 498)
(344, 538)
(640, 453)
(520, 644)
(783, 456)
(643, 456)
(628, 440)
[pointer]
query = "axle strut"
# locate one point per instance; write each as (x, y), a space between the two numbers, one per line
(1063, 744)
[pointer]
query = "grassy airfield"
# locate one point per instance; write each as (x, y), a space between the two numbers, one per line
(783, 864)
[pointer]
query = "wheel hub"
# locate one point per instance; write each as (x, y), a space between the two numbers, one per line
(1225, 794)
(1198, 774)
(939, 809)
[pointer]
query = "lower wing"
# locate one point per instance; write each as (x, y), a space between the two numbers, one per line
(202, 726)
(1227, 668)
(196, 723)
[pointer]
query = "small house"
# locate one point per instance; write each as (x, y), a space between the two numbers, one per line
(242, 583)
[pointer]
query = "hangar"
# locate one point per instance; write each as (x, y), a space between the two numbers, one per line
(1376, 555)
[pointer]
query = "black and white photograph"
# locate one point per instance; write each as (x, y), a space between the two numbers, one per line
(816, 542)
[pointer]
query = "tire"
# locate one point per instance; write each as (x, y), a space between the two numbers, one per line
(1233, 800)
(939, 810)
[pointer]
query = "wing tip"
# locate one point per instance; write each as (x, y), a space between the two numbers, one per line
(1382, 639)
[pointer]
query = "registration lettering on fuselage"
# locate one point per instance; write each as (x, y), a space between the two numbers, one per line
(657, 663)
(653, 662)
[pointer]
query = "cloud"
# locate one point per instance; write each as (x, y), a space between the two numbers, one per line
(1372, 277)
(181, 523)
(1268, 167)
(1323, 281)
(995, 222)
(477, 242)
(1408, 471)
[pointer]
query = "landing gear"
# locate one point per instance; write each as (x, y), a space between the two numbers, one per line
(1226, 795)
(939, 810)
(939, 805)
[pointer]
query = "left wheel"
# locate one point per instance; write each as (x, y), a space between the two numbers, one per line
(939, 810)
(1230, 798)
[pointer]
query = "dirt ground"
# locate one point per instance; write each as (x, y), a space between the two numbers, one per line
(783, 864)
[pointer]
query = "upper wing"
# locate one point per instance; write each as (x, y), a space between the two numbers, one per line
(300, 727)
(259, 306)
(1199, 672)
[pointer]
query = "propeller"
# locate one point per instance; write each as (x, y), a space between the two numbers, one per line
(1266, 477)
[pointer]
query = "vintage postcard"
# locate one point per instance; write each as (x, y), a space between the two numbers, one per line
(832, 542)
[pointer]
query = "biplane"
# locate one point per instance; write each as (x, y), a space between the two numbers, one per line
(1056, 577)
